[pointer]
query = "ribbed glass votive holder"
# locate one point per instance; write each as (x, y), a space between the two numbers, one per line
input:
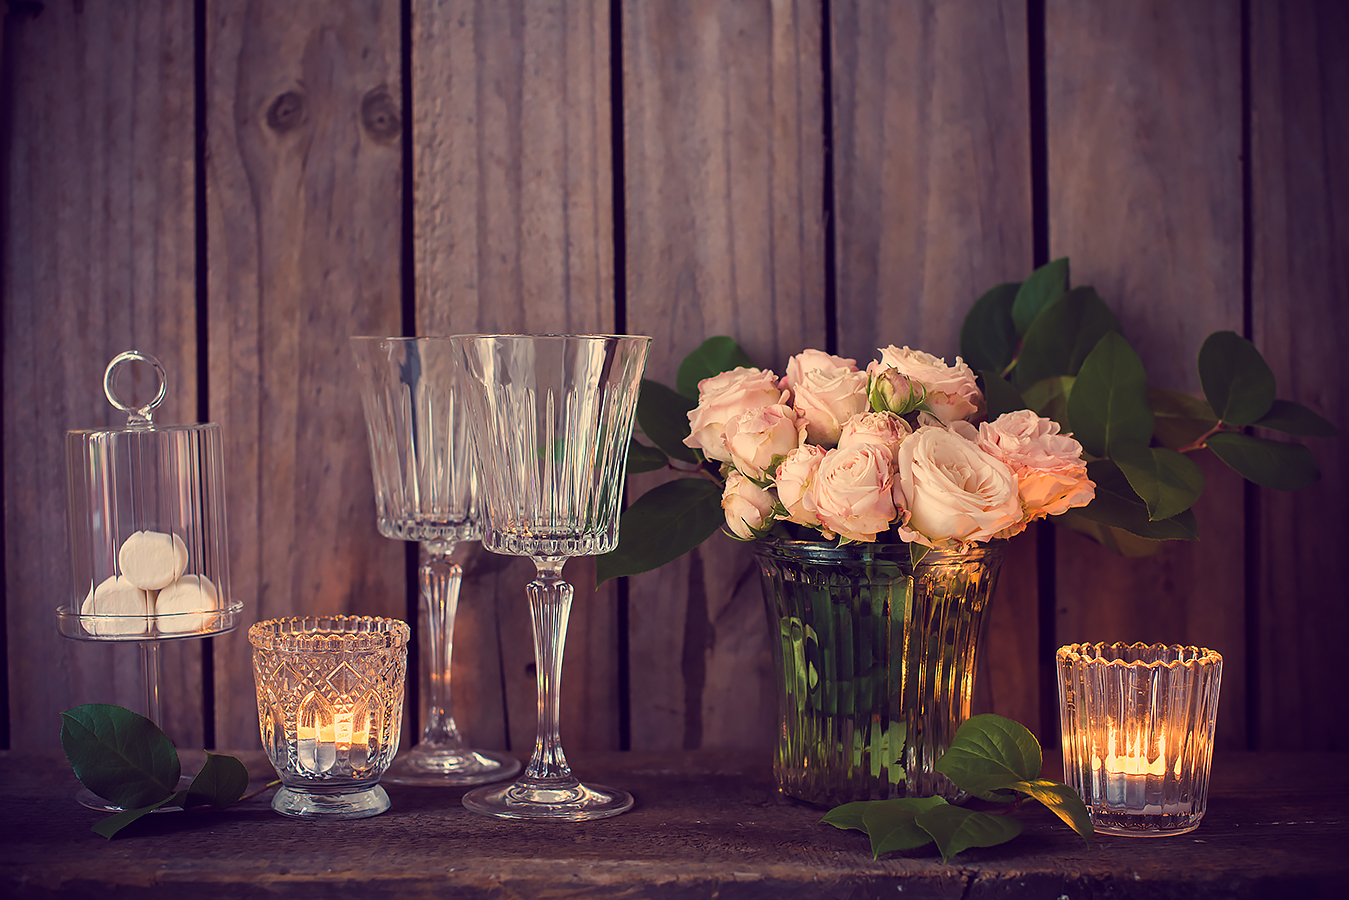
(330, 706)
(1137, 724)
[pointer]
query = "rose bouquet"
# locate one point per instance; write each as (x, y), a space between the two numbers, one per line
(1046, 412)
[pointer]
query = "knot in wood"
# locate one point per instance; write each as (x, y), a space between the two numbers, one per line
(286, 112)
(380, 116)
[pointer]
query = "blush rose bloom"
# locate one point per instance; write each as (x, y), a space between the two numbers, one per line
(795, 482)
(854, 492)
(748, 507)
(722, 398)
(810, 360)
(1051, 475)
(954, 492)
(758, 437)
(882, 428)
(952, 393)
(826, 398)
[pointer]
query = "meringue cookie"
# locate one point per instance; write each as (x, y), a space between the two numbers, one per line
(152, 559)
(186, 605)
(115, 596)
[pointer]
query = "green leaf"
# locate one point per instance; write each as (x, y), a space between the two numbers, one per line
(221, 781)
(663, 417)
(1272, 464)
(1049, 398)
(1179, 419)
(988, 752)
(1109, 403)
(1063, 335)
(1169, 482)
(714, 356)
(916, 553)
(1045, 285)
(988, 337)
(1063, 802)
(120, 755)
(1118, 505)
(1116, 540)
(662, 525)
(642, 458)
(892, 824)
(112, 824)
(1296, 419)
(848, 816)
(1000, 395)
(956, 829)
(1236, 380)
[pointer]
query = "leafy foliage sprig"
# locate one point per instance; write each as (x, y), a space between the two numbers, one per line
(990, 757)
(127, 760)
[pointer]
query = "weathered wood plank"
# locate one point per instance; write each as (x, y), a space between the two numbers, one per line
(932, 175)
(513, 231)
(1144, 142)
(304, 203)
(1300, 201)
(723, 184)
(99, 258)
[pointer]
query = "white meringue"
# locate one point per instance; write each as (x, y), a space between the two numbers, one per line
(152, 559)
(115, 596)
(186, 605)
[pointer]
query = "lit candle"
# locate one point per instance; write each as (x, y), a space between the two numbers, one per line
(326, 735)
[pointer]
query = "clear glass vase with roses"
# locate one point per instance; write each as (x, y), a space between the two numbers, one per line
(1046, 413)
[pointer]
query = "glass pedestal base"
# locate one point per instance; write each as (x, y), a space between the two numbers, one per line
(567, 802)
(428, 766)
(357, 803)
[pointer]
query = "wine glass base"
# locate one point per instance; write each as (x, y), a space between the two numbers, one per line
(360, 803)
(89, 800)
(574, 802)
(426, 766)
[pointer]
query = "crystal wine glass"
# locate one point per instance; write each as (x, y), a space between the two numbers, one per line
(422, 463)
(551, 417)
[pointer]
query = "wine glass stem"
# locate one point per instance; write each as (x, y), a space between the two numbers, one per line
(150, 674)
(440, 577)
(549, 606)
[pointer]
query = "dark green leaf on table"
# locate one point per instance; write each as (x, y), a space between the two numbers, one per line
(1062, 801)
(714, 356)
(1169, 482)
(988, 752)
(956, 829)
(1272, 464)
(1000, 395)
(892, 824)
(660, 526)
(848, 816)
(1179, 419)
(1236, 380)
(1045, 285)
(112, 824)
(988, 338)
(1119, 506)
(642, 458)
(1062, 336)
(1297, 420)
(663, 417)
(221, 781)
(1049, 398)
(1109, 404)
(120, 755)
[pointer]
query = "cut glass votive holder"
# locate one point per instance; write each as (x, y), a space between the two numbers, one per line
(1137, 724)
(330, 707)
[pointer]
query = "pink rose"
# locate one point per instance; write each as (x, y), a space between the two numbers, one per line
(795, 482)
(892, 391)
(952, 393)
(1051, 475)
(854, 492)
(882, 428)
(748, 507)
(810, 360)
(758, 438)
(955, 492)
(723, 397)
(826, 398)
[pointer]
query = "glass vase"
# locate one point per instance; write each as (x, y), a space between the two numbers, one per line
(874, 661)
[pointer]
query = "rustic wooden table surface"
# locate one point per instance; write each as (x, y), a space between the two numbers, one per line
(706, 824)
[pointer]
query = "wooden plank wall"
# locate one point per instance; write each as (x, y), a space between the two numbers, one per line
(239, 187)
